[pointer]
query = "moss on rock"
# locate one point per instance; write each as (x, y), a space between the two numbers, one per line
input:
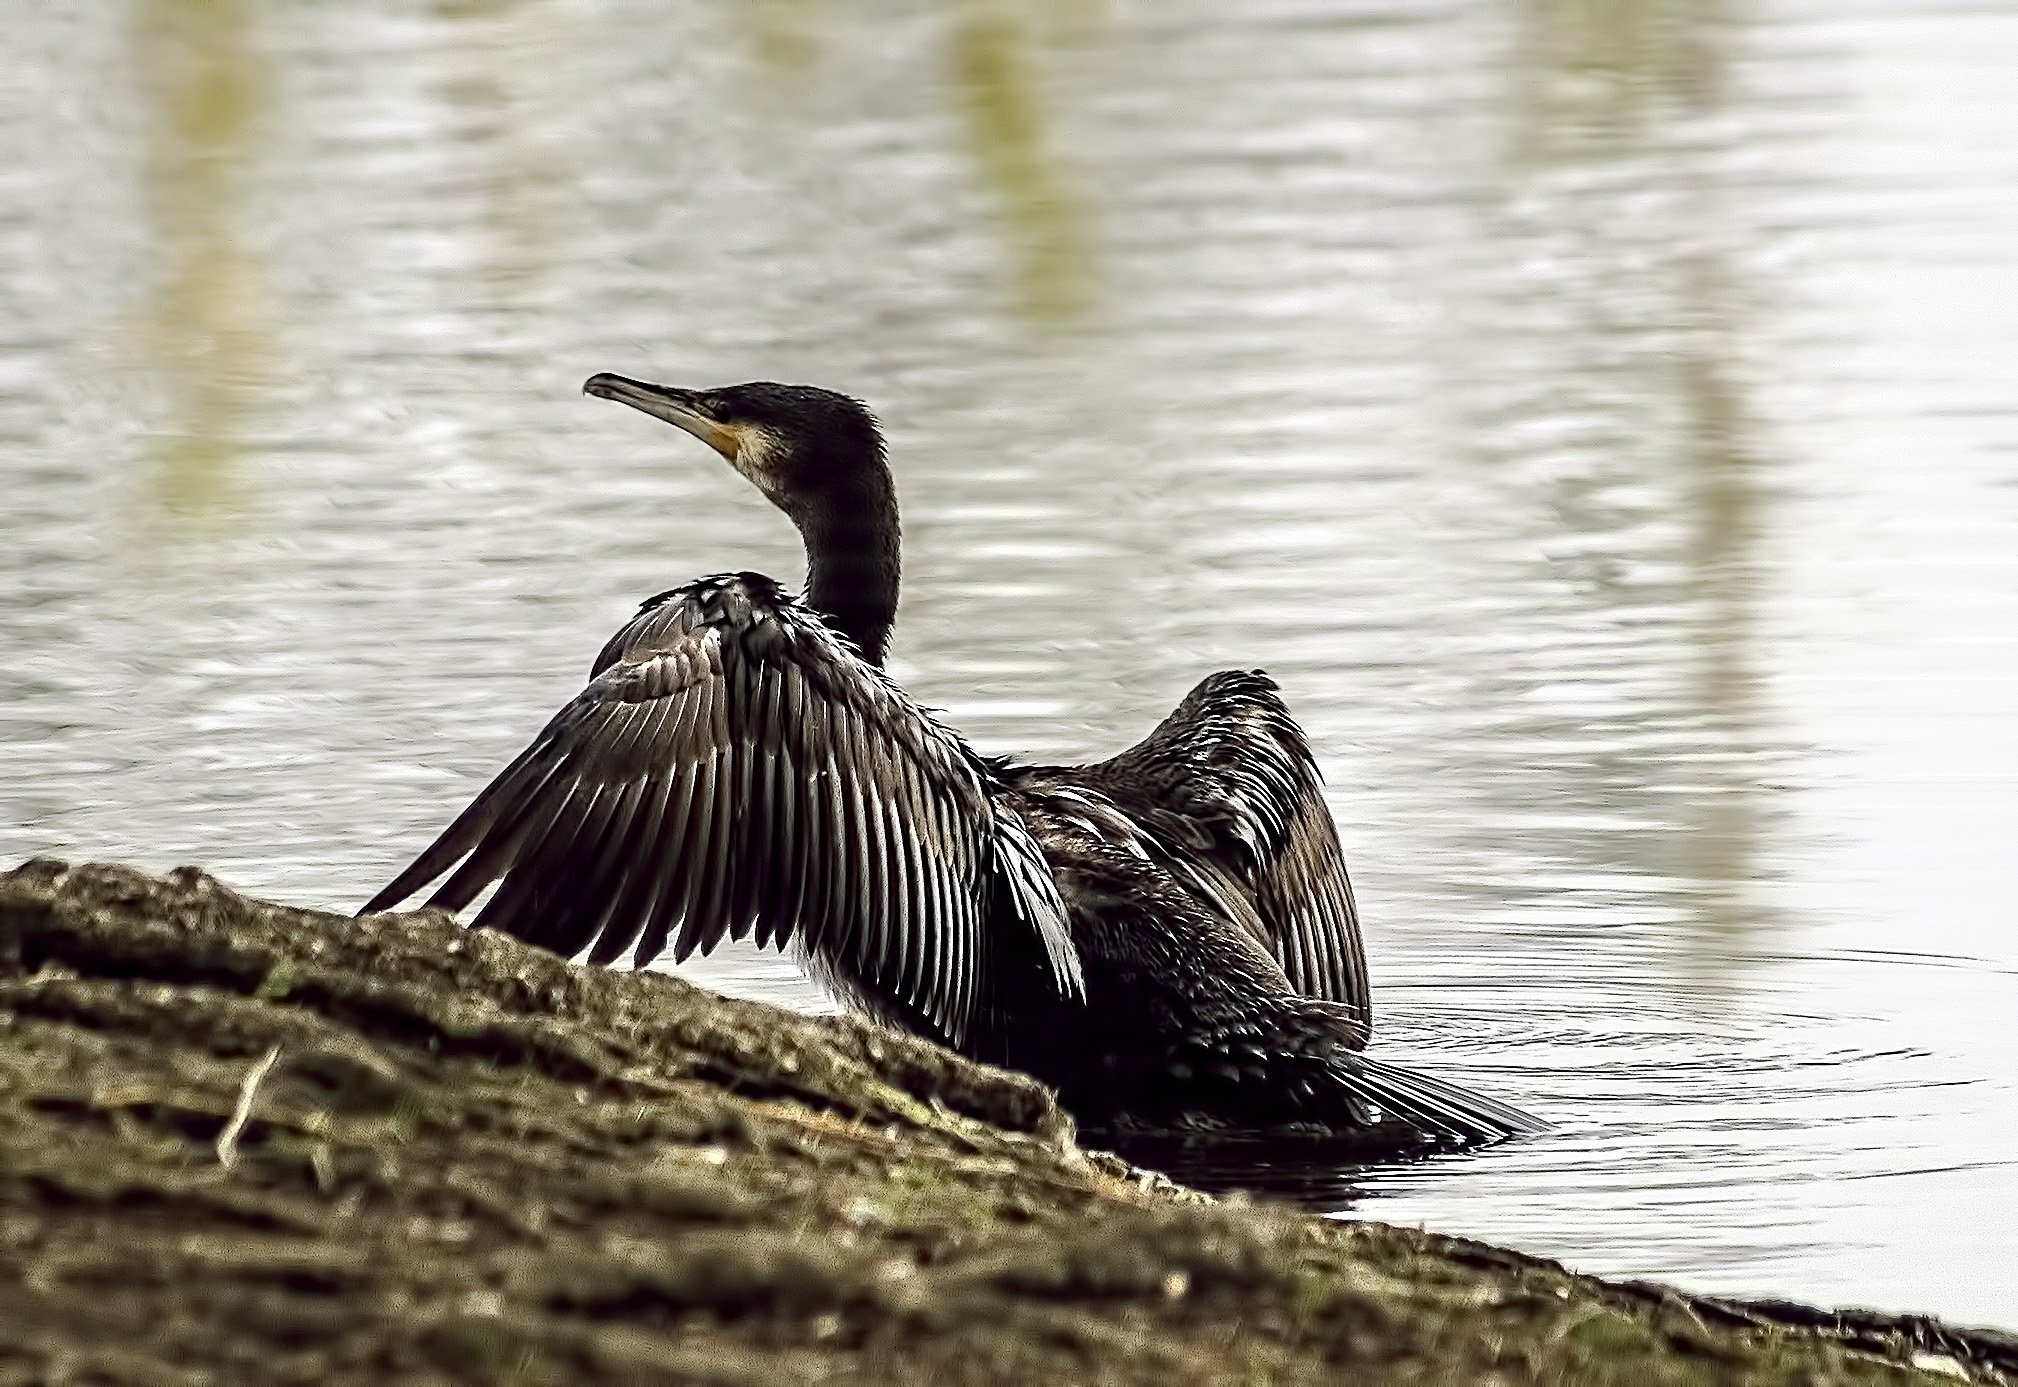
(241, 1142)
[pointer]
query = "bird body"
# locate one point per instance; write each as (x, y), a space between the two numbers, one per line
(1168, 937)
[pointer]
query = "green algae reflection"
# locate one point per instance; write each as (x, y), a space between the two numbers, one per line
(202, 330)
(998, 57)
(1665, 385)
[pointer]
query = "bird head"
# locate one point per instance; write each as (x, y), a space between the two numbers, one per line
(791, 441)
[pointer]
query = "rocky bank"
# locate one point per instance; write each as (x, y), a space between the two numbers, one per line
(246, 1143)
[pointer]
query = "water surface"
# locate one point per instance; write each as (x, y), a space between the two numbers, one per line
(1597, 417)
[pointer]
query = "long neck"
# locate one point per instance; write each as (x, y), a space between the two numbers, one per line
(853, 563)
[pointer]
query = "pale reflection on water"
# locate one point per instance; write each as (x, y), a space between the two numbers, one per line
(1597, 417)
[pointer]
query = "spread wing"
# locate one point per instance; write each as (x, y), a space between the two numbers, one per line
(733, 769)
(1234, 797)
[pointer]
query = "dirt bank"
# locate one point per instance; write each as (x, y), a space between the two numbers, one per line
(241, 1142)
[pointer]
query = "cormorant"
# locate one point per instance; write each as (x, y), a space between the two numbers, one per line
(1167, 938)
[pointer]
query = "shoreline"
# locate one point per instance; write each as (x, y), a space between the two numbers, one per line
(275, 1144)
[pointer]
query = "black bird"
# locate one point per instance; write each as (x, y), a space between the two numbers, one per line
(1168, 938)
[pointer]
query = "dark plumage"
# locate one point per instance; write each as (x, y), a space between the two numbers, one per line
(1167, 937)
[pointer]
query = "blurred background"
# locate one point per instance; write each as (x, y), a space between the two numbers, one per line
(1597, 414)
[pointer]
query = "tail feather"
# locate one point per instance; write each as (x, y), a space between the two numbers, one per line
(1436, 1107)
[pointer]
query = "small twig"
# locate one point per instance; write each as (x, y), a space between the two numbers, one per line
(227, 1140)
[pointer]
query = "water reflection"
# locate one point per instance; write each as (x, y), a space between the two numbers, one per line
(1526, 386)
(999, 60)
(1730, 810)
(787, 38)
(206, 326)
(995, 62)
(1632, 434)
(505, 72)
(1590, 75)
(1319, 1175)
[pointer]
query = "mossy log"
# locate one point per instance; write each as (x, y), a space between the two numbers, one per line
(245, 1143)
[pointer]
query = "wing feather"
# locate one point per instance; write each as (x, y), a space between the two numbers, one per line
(537, 874)
(631, 906)
(669, 893)
(533, 818)
(469, 827)
(1231, 761)
(700, 930)
(675, 836)
(613, 873)
(733, 769)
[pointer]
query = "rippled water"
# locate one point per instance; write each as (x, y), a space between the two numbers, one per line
(1598, 417)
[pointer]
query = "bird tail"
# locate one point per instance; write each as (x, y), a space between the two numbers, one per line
(1441, 1111)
